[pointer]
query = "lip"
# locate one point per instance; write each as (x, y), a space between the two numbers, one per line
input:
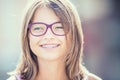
(49, 45)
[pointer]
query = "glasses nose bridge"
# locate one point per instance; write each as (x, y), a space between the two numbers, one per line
(49, 26)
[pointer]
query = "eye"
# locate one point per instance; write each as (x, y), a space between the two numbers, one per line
(59, 27)
(38, 28)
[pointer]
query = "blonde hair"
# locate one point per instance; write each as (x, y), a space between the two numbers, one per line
(28, 67)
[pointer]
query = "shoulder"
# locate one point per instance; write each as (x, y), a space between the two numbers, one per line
(12, 78)
(93, 77)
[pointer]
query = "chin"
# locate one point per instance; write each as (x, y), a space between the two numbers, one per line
(51, 57)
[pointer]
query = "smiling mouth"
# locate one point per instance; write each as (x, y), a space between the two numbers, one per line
(49, 45)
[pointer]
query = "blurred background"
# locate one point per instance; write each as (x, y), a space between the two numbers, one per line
(100, 22)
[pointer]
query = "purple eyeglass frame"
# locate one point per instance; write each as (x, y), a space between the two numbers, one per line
(47, 25)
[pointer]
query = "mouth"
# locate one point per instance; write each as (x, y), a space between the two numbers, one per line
(49, 45)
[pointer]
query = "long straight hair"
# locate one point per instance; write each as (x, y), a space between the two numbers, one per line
(28, 66)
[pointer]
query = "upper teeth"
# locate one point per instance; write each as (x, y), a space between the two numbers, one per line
(49, 46)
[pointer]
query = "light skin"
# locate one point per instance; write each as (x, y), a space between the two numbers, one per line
(50, 49)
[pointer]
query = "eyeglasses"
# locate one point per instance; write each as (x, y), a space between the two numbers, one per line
(40, 28)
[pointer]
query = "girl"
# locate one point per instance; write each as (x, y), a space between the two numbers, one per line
(52, 43)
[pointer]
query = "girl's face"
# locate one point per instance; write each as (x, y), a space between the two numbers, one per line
(48, 46)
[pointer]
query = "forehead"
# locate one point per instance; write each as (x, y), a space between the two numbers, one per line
(45, 14)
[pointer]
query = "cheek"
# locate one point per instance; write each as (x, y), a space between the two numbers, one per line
(64, 43)
(63, 40)
(33, 41)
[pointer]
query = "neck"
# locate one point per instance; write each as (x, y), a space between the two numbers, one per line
(51, 70)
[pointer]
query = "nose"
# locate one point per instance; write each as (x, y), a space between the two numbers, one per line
(49, 34)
